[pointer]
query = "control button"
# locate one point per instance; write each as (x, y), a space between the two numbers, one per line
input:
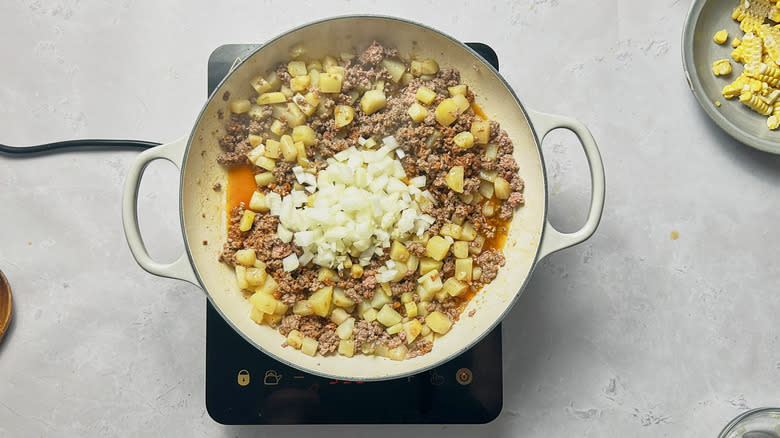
(436, 378)
(243, 377)
(464, 376)
(271, 378)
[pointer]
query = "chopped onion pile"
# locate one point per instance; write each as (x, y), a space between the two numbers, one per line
(355, 206)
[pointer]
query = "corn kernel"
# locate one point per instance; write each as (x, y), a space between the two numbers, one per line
(721, 67)
(721, 36)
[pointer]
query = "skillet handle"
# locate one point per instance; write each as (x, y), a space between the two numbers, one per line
(552, 239)
(181, 268)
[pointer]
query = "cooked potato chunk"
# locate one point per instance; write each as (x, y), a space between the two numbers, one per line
(356, 271)
(464, 140)
(461, 89)
(454, 179)
(388, 317)
(463, 269)
(395, 329)
(295, 339)
(468, 233)
(246, 257)
(395, 68)
(241, 277)
(454, 287)
(271, 98)
(417, 112)
(462, 103)
(309, 346)
(398, 353)
(339, 315)
(343, 115)
(425, 95)
(255, 277)
(247, 220)
(413, 328)
(264, 179)
(424, 67)
(502, 188)
(240, 106)
(266, 163)
(278, 128)
(297, 68)
(269, 286)
(480, 129)
(300, 83)
(451, 230)
(437, 248)
(411, 309)
(340, 299)
(303, 308)
(398, 252)
(258, 202)
(428, 264)
(320, 301)
(304, 134)
(330, 83)
(372, 101)
(460, 249)
(346, 347)
(288, 148)
(438, 322)
(344, 330)
(446, 112)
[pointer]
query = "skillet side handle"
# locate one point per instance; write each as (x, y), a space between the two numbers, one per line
(181, 268)
(553, 240)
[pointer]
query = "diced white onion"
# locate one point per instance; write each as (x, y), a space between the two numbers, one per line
(290, 263)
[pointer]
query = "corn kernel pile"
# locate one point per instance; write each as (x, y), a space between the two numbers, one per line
(758, 87)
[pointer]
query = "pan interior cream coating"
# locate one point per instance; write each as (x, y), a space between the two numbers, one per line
(203, 209)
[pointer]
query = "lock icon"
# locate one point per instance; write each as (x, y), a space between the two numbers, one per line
(243, 377)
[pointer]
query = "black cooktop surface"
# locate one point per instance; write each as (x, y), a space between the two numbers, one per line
(245, 386)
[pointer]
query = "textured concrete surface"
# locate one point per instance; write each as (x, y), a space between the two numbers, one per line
(630, 334)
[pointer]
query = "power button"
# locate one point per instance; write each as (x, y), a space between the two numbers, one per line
(464, 376)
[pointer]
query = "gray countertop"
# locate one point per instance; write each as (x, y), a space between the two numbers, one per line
(632, 333)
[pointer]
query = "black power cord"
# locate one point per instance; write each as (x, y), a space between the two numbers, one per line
(88, 144)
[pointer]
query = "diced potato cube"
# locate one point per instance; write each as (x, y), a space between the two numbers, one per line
(264, 179)
(343, 115)
(462, 103)
(320, 301)
(300, 83)
(486, 189)
(246, 257)
(461, 89)
(293, 116)
(330, 83)
(380, 299)
(488, 175)
(328, 62)
(241, 277)
(263, 302)
(381, 350)
(309, 346)
(314, 65)
(247, 220)
(413, 328)
(295, 339)
(297, 68)
(260, 84)
(425, 95)
(346, 347)
(254, 140)
(339, 315)
(460, 249)
(356, 271)
(428, 264)
(430, 284)
(468, 232)
(266, 163)
(463, 269)
(336, 70)
(340, 299)
(313, 100)
(395, 329)
(255, 277)
(475, 247)
(269, 286)
(412, 263)
(258, 202)
(406, 297)
(271, 98)
(344, 330)
(398, 251)
(422, 309)
(406, 78)
(446, 112)
(370, 314)
(326, 274)
(417, 112)
(304, 134)
(476, 273)
(464, 140)
(502, 188)
(425, 331)
(281, 308)
(395, 68)
(240, 106)
(455, 287)
(256, 315)
(372, 101)
(288, 148)
(278, 128)
(480, 129)
(303, 308)
(424, 67)
(454, 179)
(452, 230)
(387, 316)
(438, 322)
(301, 150)
(437, 248)
(411, 309)
(379, 85)
(398, 353)
(491, 152)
